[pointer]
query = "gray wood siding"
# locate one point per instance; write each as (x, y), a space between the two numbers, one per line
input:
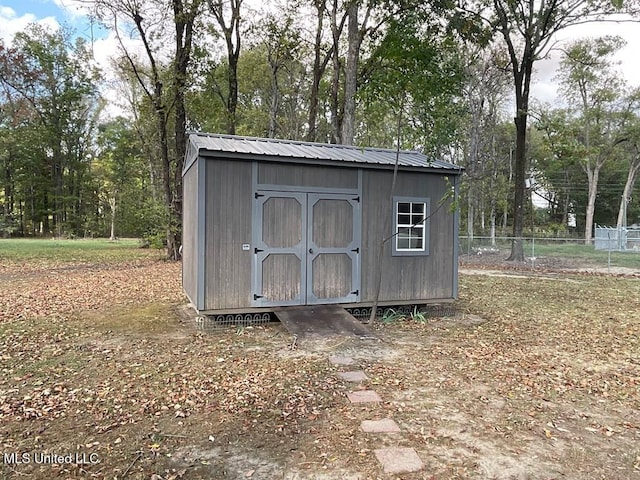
(307, 176)
(282, 222)
(281, 277)
(228, 227)
(332, 223)
(331, 275)
(410, 277)
(190, 234)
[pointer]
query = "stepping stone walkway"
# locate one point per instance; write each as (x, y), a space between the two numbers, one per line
(363, 396)
(337, 360)
(356, 376)
(395, 460)
(399, 460)
(386, 425)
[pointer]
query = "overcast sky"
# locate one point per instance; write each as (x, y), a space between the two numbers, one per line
(16, 14)
(545, 88)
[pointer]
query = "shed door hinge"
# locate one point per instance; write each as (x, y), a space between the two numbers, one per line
(357, 250)
(256, 296)
(355, 293)
(258, 195)
(357, 199)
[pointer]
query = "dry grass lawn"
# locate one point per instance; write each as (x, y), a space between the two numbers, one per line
(537, 378)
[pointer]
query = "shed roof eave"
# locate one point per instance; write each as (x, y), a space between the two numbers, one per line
(450, 170)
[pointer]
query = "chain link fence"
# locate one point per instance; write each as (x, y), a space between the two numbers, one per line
(617, 239)
(555, 253)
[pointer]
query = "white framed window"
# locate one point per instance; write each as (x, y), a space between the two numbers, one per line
(411, 226)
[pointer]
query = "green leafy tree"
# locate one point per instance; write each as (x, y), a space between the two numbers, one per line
(415, 71)
(527, 28)
(485, 89)
(50, 76)
(561, 175)
(123, 183)
(590, 83)
(162, 78)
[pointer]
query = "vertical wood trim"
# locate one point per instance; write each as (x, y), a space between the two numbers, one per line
(201, 229)
(190, 235)
(357, 270)
(255, 232)
(456, 237)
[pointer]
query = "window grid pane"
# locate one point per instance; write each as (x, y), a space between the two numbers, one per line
(410, 226)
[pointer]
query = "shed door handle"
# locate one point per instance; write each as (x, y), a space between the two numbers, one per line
(311, 250)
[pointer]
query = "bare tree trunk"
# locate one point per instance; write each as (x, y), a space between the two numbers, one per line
(319, 67)
(386, 221)
(351, 75)
(626, 194)
(492, 188)
(275, 100)
(492, 232)
(592, 175)
(112, 205)
(336, 117)
(184, 20)
(470, 215)
(517, 247)
(231, 32)
(355, 36)
(232, 101)
(567, 200)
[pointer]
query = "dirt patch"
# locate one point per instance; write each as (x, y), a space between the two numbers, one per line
(534, 378)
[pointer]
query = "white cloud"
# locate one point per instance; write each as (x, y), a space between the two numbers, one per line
(545, 89)
(105, 52)
(75, 9)
(10, 23)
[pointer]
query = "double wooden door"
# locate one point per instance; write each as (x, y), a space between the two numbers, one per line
(306, 248)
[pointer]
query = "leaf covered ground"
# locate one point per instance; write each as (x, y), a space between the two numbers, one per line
(537, 377)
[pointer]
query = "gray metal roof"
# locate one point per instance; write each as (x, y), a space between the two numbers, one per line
(203, 144)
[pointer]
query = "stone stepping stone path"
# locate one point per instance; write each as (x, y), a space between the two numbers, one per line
(338, 360)
(398, 460)
(355, 376)
(394, 460)
(363, 396)
(385, 425)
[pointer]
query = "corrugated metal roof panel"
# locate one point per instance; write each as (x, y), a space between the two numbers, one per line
(313, 151)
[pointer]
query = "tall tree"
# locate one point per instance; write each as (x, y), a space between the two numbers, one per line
(589, 81)
(485, 88)
(283, 45)
(559, 167)
(356, 31)
(416, 69)
(185, 15)
(321, 56)
(122, 181)
(227, 15)
(52, 77)
(528, 28)
(631, 137)
(149, 22)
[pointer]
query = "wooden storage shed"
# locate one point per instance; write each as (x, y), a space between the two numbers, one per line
(273, 223)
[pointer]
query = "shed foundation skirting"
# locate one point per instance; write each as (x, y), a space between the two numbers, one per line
(430, 302)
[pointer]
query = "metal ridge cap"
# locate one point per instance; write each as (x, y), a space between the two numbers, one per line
(228, 136)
